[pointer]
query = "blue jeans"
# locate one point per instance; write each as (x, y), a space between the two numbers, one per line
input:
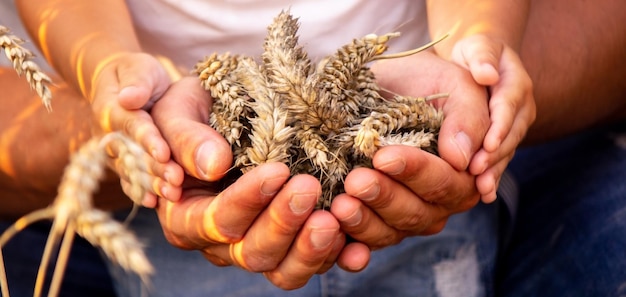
(457, 262)
(569, 236)
(85, 275)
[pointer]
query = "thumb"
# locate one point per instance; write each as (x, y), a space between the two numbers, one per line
(480, 56)
(181, 115)
(142, 82)
(466, 120)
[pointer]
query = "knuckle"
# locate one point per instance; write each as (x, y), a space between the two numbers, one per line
(257, 262)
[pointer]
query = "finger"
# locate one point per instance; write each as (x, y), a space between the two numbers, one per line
(199, 220)
(361, 222)
(235, 209)
(481, 56)
(266, 243)
(135, 123)
(151, 172)
(141, 91)
(308, 253)
(428, 176)
(336, 251)
(148, 200)
(182, 114)
(511, 98)
(484, 159)
(487, 182)
(466, 121)
(354, 257)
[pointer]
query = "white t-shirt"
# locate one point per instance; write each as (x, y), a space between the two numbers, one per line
(187, 31)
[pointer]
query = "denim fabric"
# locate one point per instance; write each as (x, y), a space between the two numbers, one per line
(85, 275)
(569, 238)
(457, 262)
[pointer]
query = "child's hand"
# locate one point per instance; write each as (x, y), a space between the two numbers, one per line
(123, 92)
(511, 106)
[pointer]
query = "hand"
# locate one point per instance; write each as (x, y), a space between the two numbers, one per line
(410, 192)
(511, 106)
(36, 144)
(264, 222)
(124, 90)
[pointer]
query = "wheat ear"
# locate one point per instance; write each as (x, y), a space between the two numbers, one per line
(230, 100)
(270, 135)
(338, 101)
(415, 113)
(120, 245)
(20, 58)
(72, 210)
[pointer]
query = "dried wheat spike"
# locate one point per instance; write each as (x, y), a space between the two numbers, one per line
(414, 113)
(365, 85)
(229, 106)
(20, 58)
(287, 66)
(419, 139)
(80, 180)
(336, 74)
(270, 135)
(120, 245)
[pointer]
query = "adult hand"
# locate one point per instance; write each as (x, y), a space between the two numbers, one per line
(411, 192)
(264, 222)
(124, 89)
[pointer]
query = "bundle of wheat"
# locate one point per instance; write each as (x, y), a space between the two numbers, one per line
(322, 120)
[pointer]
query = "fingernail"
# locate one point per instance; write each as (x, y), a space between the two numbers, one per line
(354, 219)
(270, 186)
(202, 159)
(164, 192)
(393, 167)
(302, 202)
(464, 145)
(370, 192)
(322, 238)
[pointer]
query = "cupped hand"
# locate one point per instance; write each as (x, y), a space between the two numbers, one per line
(465, 110)
(410, 192)
(123, 90)
(511, 105)
(264, 222)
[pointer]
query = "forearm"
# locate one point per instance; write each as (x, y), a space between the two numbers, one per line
(79, 37)
(35, 146)
(574, 52)
(503, 20)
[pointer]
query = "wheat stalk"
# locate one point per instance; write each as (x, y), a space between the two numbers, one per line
(21, 57)
(72, 212)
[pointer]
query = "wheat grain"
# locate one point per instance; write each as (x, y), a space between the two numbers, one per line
(414, 113)
(121, 246)
(270, 135)
(20, 58)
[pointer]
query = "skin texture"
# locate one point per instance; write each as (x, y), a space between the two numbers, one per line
(119, 81)
(121, 84)
(35, 146)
